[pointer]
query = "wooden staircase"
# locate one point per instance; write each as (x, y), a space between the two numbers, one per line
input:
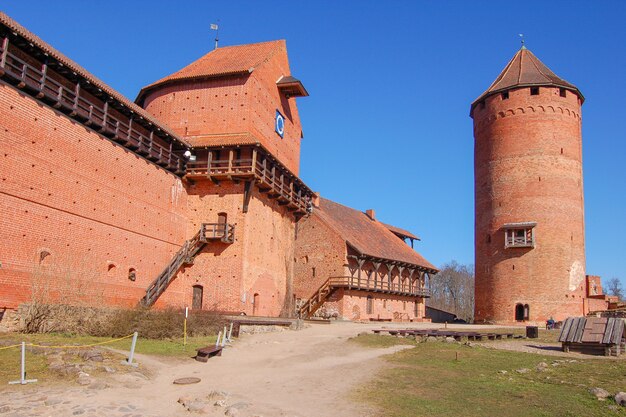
(223, 232)
(311, 305)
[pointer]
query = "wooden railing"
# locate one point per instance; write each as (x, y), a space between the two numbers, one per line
(94, 114)
(268, 175)
(310, 306)
(378, 286)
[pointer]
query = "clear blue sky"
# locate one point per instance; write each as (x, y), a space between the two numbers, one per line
(386, 125)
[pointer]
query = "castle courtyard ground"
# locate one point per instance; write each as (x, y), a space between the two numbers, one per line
(316, 371)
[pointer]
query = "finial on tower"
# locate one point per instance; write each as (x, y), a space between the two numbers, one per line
(521, 35)
(216, 28)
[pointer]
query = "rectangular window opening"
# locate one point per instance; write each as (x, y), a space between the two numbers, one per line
(505, 95)
(562, 92)
(534, 91)
(520, 237)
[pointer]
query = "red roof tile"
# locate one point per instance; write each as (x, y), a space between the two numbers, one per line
(222, 140)
(368, 237)
(228, 60)
(524, 70)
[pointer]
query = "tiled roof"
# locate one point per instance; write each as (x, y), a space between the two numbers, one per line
(228, 60)
(81, 72)
(368, 237)
(524, 70)
(400, 232)
(222, 140)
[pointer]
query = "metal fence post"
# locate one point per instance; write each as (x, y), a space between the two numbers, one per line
(23, 380)
(230, 333)
(132, 352)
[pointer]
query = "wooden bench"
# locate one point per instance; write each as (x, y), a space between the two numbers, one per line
(205, 353)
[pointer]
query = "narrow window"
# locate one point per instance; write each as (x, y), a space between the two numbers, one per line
(562, 92)
(519, 312)
(132, 274)
(534, 91)
(505, 95)
(370, 305)
(404, 305)
(313, 271)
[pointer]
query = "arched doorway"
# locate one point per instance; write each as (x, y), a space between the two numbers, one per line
(519, 312)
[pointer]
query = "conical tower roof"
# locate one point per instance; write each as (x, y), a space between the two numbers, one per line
(526, 70)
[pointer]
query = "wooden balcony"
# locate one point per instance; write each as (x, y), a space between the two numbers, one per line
(106, 115)
(382, 286)
(224, 232)
(270, 176)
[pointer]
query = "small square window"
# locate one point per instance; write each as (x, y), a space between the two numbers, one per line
(562, 92)
(534, 91)
(505, 95)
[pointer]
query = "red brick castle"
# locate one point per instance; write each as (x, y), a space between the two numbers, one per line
(189, 196)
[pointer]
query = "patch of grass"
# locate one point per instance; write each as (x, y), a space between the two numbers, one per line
(37, 364)
(429, 381)
(381, 341)
(168, 347)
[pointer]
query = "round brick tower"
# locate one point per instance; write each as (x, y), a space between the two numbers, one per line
(529, 210)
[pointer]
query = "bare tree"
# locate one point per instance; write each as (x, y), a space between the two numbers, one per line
(58, 287)
(452, 290)
(614, 287)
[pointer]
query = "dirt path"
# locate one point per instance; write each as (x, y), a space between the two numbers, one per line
(310, 372)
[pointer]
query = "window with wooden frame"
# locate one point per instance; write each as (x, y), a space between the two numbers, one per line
(519, 235)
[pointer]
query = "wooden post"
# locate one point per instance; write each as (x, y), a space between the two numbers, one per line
(76, 98)
(104, 118)
(230, 161)
(254, 161)
(151, 139)
(42, 81)
(208, 164)
(5, 51)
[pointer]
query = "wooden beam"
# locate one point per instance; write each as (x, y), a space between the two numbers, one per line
(76, 98)
(42, 81)
(104, 118)
(208, 164)
(5, 51)
(247, 193)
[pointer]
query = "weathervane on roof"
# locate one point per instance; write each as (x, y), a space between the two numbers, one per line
(521, 35)
(216, 28)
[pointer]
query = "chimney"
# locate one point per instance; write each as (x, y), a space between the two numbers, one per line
(316, 200)
(371, 214)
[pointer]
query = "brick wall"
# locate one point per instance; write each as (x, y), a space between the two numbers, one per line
(320, 253)
(528, 167)
(260, 261)
(96, 208)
